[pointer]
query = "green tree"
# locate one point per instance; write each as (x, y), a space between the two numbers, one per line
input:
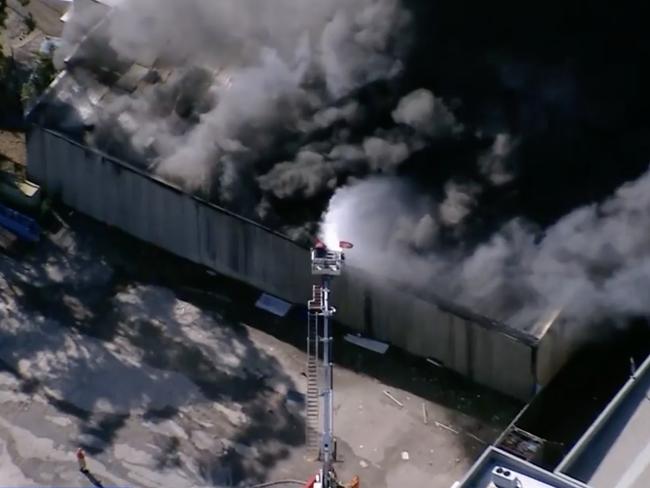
(10, 108)
(30, 23)
(40, 78)
(3, 60)
(3, 13)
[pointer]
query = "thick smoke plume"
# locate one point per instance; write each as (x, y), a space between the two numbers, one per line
(467, 149)
(260, 104)
(594, 263)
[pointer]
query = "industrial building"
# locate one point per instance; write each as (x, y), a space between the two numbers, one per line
(126, 196)
(490, 353)
(613, 452)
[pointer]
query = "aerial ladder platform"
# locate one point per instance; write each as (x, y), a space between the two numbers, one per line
(326, 264)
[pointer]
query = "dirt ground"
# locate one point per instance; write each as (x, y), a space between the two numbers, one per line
(21, 42)
(12, 147)
(169, 376)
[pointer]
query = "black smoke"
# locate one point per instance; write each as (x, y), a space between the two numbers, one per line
(567, 80)
(484, 141)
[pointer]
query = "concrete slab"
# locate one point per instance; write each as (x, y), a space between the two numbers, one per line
(162, 388)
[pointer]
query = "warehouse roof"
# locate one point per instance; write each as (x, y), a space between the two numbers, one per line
(615, 451)
(74, 99)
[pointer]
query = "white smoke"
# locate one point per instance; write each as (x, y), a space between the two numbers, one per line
(594, 263)
(458, 203)
(246, 75)
(246, 88)
(496, 164)
(309, 175)
(426, 114)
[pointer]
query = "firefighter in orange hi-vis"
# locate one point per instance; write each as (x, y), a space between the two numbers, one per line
(354, 482)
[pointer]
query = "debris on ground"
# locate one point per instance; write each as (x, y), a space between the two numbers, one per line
(400, 404)
(446, 427)
(432, 361)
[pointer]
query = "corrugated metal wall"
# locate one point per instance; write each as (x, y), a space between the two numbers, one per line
(555, 348)
(119, 195)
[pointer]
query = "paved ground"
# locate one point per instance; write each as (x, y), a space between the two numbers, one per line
(169, 379)
(21, 41)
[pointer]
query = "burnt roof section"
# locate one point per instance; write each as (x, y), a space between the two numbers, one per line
(85, 85)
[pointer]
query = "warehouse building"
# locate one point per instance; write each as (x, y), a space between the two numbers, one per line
(508, 360)
(125, 195)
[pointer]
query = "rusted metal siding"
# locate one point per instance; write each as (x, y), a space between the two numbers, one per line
(161, 214)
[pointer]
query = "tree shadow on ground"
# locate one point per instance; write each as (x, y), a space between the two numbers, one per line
(472, 409)
(89, 313)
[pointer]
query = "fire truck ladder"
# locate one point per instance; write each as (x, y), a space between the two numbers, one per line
(313, 435)
(321, 443)
(320, 437)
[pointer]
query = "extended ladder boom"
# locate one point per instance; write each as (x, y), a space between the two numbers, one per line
(320, 403)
